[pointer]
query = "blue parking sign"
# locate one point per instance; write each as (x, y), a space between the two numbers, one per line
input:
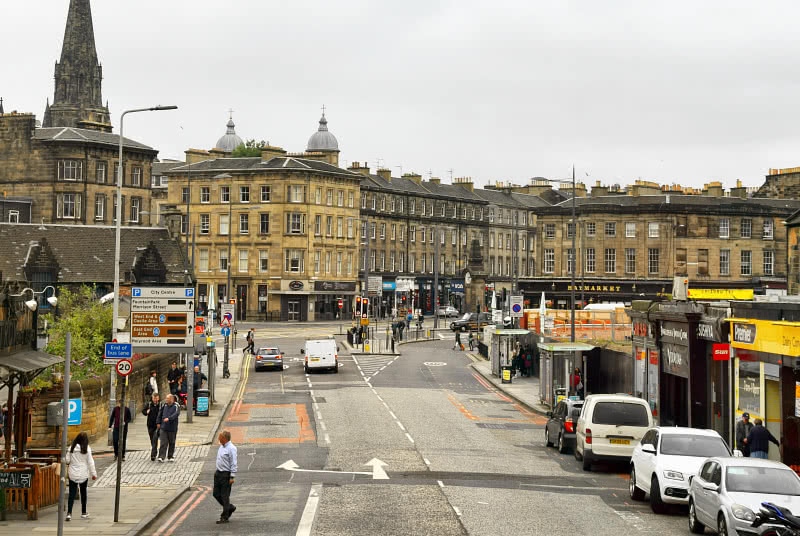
(75, 411)
(190, 293)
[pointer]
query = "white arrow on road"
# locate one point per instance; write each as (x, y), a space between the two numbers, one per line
(377, 469)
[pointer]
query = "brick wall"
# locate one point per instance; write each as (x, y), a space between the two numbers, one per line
(94, 395)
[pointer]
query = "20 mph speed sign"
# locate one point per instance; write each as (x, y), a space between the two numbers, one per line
(124, 367)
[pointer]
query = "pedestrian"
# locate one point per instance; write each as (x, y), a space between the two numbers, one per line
(172, 377)
(114, 422)
(743, 428)
(150, 387)
(198, 380)
(400, 327)
(227, 465)
(180, 392)
(758, 440)
(168, 428)
(576, 384)
(151, 410)
(471, 341)
(252, 340)
(526, 362)
(81, 467)
(246, 346)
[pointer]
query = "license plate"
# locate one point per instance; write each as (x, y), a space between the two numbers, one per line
(314, 359)
(620, 441)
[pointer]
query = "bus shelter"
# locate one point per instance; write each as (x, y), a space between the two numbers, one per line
(504, 344)
(557, 361)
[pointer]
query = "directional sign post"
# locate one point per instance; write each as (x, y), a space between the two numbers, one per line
(162, 319)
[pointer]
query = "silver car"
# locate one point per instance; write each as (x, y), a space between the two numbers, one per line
(727, 493)
(269, 357)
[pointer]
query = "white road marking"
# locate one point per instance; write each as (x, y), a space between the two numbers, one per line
(441, 484)
(403, 428)
(252, 458)
(324, 428)
(327, 439)
(319, 415)
(457, 511)
(311, 392)
(409, 437)
(481, 502)
(426, 460)
(310, 511)
(392, 414)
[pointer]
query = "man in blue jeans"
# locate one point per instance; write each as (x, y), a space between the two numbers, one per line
(758, 440)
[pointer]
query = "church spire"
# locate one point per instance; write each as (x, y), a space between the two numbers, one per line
(78, 100)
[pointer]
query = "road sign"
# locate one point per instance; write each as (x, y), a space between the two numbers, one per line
(162, 319)
(227, 311)
(124, 367)
(516, 306)
(75, 409)
(340, 304)
(116, 350)
(226, 331)
(375, 284)
(199, 325)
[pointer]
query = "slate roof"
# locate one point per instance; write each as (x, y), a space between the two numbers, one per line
(159, 168)
(256, 164)
(85, 253)
(397, 184)
(452, 191)
(685, 202)
(82, 135)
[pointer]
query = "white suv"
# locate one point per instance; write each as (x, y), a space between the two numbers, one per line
(609, 428)
(665, 459)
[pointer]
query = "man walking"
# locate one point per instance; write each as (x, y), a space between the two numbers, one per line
(758, 440)
(743, 428)
(172, 378)
(227, 465)
(152, 410)
(114, 421)
(168, 425)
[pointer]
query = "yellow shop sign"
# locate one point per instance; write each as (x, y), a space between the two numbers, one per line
(775, 337)
(720, 293)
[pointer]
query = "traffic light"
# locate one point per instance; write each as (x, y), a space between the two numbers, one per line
(366, 302)
(358, 301)
(404, 299)
(232, 301)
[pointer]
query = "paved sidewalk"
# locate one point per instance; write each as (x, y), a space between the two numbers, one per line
(523, 389)
(147, 487)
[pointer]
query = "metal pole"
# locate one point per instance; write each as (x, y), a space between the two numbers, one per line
(190, 387)
(64, 424)
(188, 199)
(225, 372)
(193, 243)
(574, 258)
(436, 280)
(366, 266)
(121, 449)
(230, 231)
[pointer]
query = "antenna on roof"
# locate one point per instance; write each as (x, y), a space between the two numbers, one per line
(450, 171)
(401, 170)
(230, 114)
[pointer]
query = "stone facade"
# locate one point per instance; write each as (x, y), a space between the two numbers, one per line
(293, 222)
(781, 183)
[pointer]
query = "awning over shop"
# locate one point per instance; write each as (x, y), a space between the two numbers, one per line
(29, 361)
(565, 347)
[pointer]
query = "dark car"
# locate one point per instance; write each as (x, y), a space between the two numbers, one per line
(471, 322)
(560, 429)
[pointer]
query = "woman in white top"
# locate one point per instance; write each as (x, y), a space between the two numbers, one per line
(81, 467)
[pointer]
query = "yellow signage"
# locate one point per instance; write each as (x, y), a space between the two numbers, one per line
(720, 293)
(770, 336)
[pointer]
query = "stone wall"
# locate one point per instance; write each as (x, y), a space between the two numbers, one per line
(94, 395)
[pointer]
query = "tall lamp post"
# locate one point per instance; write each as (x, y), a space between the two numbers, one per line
(574, 252)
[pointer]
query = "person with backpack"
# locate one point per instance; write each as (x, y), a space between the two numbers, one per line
(150, 388)
(80, 467)
(119, 421)
(151, 411)
(457, 345)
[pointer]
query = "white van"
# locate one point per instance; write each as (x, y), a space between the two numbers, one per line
(610, 427)
(321, 354)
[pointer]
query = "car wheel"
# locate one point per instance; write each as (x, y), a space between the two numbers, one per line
(336, 369)
(547, 442)
(722, 525)
(587, 462)
(562, 445)
(637, 494)
(656, 503)
(695, 527)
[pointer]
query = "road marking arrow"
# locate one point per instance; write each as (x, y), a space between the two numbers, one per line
(377, 469)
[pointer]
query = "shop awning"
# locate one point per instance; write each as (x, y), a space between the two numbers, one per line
(565, 347)
(29, 361)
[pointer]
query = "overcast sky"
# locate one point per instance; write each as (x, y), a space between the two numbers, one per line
(683, 92)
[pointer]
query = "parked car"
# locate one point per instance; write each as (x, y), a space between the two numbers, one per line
(609, 428)
(471, 322)
(664, 460)
(449, 311)
(320, 354)
(560, 428)
(728, 492)
(269, 357)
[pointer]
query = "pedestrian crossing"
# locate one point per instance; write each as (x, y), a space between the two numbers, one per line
(371, 365)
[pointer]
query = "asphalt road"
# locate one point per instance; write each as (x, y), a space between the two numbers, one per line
(460, 458)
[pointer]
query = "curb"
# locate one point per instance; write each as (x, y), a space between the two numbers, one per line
(144, 523)
(215, 429)
(517, 400)
(373, 353)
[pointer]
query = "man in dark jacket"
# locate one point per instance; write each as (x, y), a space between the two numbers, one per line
(758, 440)
(743, 428)
(168, 426)
(172, 377)
(152, 410)
(113, 422)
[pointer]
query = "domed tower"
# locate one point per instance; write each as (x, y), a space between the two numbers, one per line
(322, 141)
(230, 140)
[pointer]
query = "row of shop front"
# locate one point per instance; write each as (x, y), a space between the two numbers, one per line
(704, 366)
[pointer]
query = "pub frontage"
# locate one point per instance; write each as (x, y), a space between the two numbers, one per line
(588, 291)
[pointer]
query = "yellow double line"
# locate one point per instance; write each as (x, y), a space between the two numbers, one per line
(243, 379)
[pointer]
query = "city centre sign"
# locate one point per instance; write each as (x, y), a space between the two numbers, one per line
(162, 319)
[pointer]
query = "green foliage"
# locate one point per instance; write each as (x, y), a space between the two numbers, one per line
(249, 148)
(89, 321)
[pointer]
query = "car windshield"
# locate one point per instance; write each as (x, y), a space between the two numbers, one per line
(269, 351)
(701, 446)
(465, 317)
(764, 480)
(620, 414)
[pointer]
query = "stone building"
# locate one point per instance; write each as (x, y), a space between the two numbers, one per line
(68, 167)
(781, 183)
(405, 223)
(631, 246)
(287, 226)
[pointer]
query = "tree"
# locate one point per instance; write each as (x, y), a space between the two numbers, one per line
(249, 148)
(89, 321)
